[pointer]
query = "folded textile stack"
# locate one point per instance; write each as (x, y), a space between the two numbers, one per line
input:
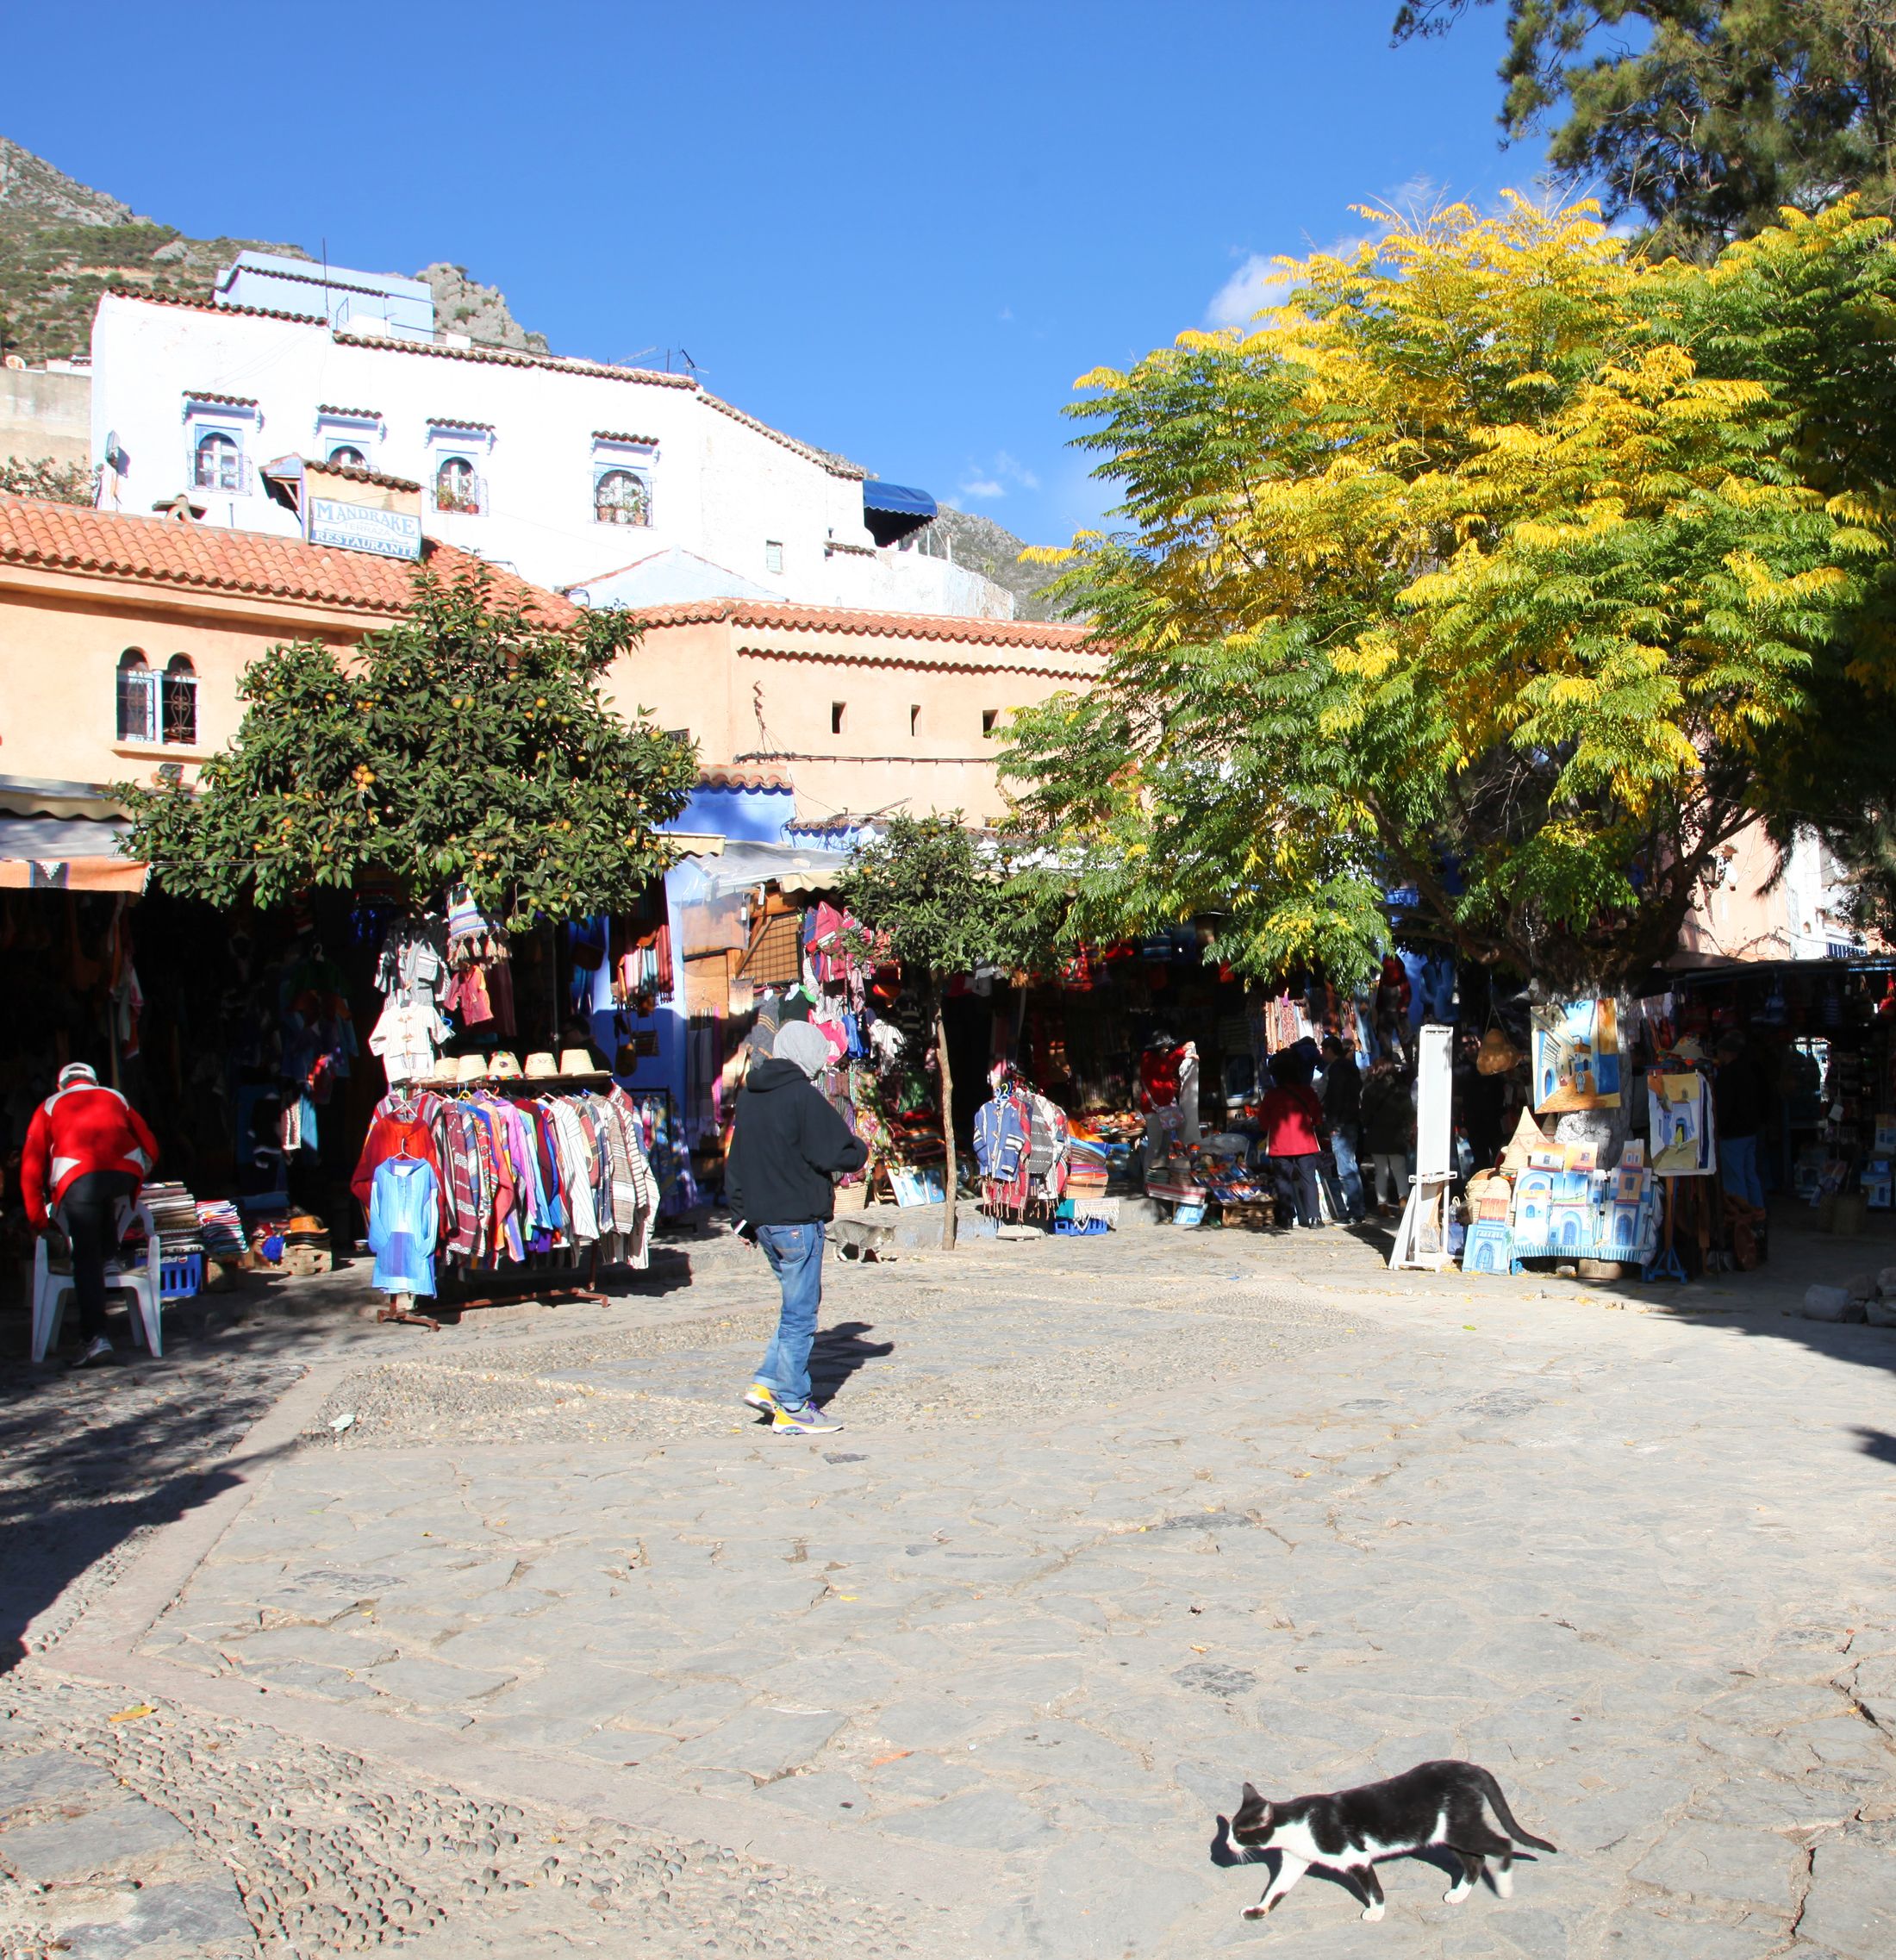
(1087, 1170)
(175, 1214)
(221, 1227)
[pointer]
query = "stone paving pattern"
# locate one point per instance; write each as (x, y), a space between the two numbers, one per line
(1114, 1526)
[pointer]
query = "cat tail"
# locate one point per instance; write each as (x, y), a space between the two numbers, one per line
(1492, 1790)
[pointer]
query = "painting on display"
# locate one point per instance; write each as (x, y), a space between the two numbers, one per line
(1576, 1055)
(1680, 1119)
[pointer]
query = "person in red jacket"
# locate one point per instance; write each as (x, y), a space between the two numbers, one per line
(1291, 1119)
(87, 1154)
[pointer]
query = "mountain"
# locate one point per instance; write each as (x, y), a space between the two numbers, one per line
(63, 244)
(992, 550)
(464, 305)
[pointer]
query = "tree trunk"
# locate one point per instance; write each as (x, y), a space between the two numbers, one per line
(949, 1176)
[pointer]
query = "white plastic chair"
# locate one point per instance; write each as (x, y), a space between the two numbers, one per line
(50, 1290)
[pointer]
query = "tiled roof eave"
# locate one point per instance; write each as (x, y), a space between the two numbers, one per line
(950, 628)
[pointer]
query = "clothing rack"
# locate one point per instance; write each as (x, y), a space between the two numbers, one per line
(404, 1104)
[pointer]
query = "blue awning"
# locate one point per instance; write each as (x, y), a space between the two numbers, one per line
(897, 500)
(893, 511)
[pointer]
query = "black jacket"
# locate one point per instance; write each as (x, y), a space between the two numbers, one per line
(787, 1142)
(1388, 1116)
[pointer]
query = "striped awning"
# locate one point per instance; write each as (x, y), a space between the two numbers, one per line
(63, 854)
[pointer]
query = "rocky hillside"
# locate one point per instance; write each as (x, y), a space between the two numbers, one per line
(987, 547)
(464, 305)
(62, 244)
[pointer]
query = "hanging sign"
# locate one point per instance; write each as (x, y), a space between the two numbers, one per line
(356, 527)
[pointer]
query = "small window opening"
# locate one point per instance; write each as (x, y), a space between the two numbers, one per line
(349, 456)
(180, 702)
(621, 498)
(837, 710)
(219, 463)
(773, 554)
(457, 487)
(137, 698)
(990, 720)
(914, 720)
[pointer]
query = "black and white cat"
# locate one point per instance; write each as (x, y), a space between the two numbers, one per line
(1435, 1805)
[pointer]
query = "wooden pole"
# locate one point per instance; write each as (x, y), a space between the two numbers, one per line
(949, 1176)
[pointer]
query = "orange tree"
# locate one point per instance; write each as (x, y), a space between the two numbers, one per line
(470, 743)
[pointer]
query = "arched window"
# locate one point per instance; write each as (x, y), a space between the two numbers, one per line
(180, 702)
(347, 453)
(137, 698)
(219, 463)
(457, 487)
(621, 498)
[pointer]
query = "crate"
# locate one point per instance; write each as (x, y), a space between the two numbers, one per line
(1253, 1214)
(1082, 1228)
(181, 1277)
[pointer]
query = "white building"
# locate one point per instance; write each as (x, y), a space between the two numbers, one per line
(570, 472)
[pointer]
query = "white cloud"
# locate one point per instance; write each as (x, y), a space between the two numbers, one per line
(992, 478)
(1257, 284)
(1261, 282)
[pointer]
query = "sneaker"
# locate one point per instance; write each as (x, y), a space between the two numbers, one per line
(761, 1398)
(97, 1349)
(804, 1418)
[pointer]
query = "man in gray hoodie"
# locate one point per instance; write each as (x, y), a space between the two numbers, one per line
(787, 1145)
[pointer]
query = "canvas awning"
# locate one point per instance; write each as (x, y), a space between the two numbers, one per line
(742, 866)
(59, 853)
(892, 511)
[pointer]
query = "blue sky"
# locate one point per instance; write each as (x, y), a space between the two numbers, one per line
(897, 231)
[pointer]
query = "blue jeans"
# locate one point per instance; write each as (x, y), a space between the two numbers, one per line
(796, 1253)
(1738, 1166)
(1348, 1173)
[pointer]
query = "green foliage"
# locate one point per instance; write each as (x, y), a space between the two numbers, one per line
(941, 899)
(1713, 118)
(467, 744)
(1495, 565)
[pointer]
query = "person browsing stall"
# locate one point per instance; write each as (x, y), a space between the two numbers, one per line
(787, 1146)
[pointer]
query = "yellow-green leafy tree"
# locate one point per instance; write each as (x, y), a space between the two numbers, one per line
(1494, 565)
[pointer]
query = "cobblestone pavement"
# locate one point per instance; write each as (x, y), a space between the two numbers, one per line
(548, 1649)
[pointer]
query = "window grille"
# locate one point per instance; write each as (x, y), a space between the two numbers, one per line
(180, 702)
(137, 698)
(621, 497)
(457, 487)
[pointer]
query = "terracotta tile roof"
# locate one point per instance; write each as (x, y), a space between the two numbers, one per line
(892, 625)
(211, 306)
(228, 400)
(459, 421)
(162, 551)
(505, 357)
(355, 474)
(352, 414)
(619, 436)
(834, 465)
(722, 776)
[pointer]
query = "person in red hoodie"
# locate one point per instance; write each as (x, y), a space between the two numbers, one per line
(87, 1153)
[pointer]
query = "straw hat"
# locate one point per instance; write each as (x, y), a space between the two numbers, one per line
(503, 1067)
(473, 1068)
(577, 1061)
(541, 1066)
